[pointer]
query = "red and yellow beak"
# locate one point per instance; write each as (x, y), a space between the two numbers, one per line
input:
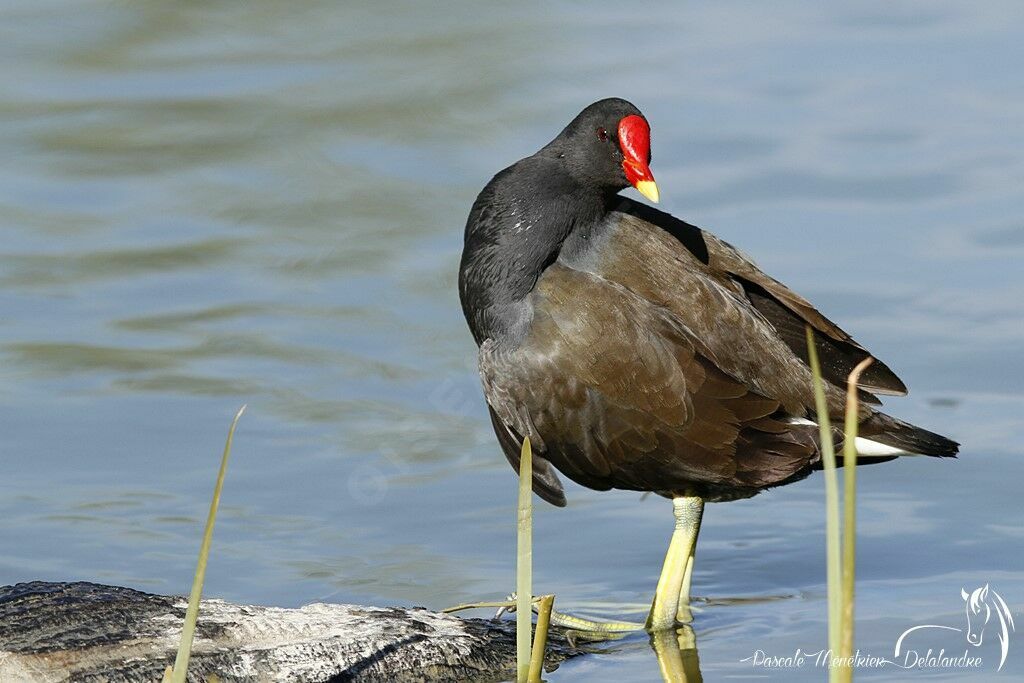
(635, 141)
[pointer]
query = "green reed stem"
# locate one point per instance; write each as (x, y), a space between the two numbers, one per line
(180, 670)
(540, 637)
(524, 563)
(850, 516)
(828, 458)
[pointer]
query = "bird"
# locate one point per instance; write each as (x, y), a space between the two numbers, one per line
(639, 352)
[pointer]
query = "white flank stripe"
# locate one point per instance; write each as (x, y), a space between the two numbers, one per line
(869, 448)
(865, 447)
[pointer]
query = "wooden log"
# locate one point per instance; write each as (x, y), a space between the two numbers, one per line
(87, 632)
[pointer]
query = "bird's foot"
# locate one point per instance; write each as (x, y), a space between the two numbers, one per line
(576, 629)
(579, 628)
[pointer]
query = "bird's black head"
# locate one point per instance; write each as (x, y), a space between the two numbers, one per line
(608, 145)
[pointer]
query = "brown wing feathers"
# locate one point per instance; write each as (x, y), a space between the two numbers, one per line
(787, 311)
(657, 368)
(623, 399)
(638, 351)
(545, 481)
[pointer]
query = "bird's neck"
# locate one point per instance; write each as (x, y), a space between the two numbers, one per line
(511, 238)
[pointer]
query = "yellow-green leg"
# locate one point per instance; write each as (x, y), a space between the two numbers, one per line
(671, 604)
(677, 655)
(683, 614)
(672, 597)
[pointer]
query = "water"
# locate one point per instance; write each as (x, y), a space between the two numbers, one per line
(203, 206)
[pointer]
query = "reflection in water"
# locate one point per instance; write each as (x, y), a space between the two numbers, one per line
(677, 655)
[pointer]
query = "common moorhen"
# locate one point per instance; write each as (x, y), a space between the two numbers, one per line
(640, 352)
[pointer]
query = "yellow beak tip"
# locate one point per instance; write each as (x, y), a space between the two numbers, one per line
(648, 189)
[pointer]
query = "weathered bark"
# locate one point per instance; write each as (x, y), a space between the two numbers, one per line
(87, 632)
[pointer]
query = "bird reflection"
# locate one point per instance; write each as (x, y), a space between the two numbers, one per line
(677, 655)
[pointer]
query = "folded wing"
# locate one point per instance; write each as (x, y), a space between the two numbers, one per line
(784, 309)
(614, 392)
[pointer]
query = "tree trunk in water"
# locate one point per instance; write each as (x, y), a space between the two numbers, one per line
(88, 632)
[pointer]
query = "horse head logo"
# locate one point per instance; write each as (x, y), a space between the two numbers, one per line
(980, 604)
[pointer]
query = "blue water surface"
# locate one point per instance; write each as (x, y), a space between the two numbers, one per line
(204, 205)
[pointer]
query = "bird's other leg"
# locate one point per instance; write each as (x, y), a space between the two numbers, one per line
(664, 610)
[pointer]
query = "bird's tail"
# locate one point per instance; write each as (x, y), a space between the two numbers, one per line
(882, 437)
(884, 432)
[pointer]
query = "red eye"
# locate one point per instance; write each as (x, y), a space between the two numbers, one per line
(602, 134)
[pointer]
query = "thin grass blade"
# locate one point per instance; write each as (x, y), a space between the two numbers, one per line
(540, 638)
(192, 613)
(850, 516)
(524, 563)
(833, 551)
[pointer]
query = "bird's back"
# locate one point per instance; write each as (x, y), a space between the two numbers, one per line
(647, 364)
